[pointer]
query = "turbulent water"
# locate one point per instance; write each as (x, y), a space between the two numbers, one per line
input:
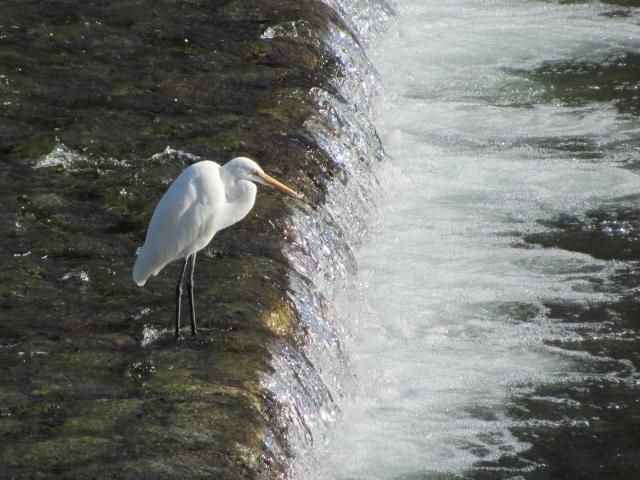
(490, 329)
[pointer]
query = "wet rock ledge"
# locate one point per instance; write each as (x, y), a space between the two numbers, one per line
(92, 383)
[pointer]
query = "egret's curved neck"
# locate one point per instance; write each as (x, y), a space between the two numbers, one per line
(240, 197)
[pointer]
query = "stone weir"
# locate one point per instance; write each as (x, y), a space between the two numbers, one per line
(102, 104)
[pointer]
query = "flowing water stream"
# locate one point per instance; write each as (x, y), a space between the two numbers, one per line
(490, 329)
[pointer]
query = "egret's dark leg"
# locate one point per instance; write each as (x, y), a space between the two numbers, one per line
(179, 294)
(190, 290)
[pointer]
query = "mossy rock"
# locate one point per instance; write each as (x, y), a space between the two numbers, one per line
(97, 92)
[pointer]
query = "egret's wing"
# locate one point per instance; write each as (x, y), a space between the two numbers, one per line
(182, 221)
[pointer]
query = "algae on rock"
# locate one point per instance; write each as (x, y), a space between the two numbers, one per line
(93, 385)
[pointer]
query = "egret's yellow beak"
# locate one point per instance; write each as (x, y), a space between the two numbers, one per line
(268, 180)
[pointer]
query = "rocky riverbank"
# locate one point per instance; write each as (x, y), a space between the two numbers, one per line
(103, 103)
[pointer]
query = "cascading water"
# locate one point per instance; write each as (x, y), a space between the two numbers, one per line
(484, 333)
(305, 380)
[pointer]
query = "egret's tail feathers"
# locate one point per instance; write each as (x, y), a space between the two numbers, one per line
(142, 269)
(148, 264)
(138, 275)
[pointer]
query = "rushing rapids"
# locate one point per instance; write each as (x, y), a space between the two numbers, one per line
(490, 328)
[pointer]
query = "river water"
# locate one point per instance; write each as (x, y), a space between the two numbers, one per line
(491, 327)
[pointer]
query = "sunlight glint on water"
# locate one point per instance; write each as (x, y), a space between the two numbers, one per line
(445, 317)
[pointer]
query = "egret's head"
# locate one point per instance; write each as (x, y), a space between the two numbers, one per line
(247, 169)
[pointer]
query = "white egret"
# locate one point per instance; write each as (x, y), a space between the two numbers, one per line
(202, 200)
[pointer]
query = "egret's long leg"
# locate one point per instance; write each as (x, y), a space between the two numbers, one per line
(179, 294)
(190, 290)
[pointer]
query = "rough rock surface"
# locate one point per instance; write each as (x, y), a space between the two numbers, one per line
(92, 384)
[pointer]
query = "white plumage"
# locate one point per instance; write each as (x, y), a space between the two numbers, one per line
(202, 200)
